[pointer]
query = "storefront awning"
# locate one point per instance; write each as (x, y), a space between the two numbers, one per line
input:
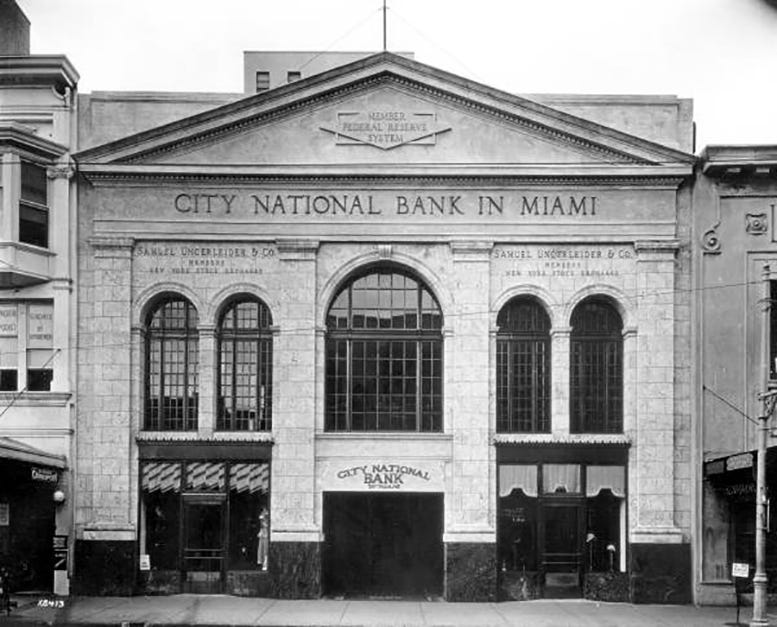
(20, 452)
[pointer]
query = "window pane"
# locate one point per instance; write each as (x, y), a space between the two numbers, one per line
(33, 225)
(34, 183)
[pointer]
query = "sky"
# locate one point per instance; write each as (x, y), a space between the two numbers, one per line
(720, 53)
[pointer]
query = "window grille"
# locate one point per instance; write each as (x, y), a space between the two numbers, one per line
(172, 354)
(384, 355)
(523, 368)
(245, 367)
(596, 362)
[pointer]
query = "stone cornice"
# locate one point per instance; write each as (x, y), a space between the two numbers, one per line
(643, 177)
(23, 138)
(38, 69)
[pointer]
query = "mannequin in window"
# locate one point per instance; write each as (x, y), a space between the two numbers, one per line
(264, 538)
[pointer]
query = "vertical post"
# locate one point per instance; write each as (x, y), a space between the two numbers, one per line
(384, 25)
(760, 579)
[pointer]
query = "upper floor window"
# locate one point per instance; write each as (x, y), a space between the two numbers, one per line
(596, 363)
(292, 76)
(245, 367)
(262, 81)
(172, 353)
(26, 346)
(33, 206)
(523, 367)
(384, 355)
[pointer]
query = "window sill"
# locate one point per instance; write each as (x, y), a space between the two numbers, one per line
(196, 436)
(383, 435)
(616, 439)
(30, 399)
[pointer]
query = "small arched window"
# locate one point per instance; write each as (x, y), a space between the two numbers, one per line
(244, 337)
(384, 355)
(596, 363)
(523, 367)
(172, 355)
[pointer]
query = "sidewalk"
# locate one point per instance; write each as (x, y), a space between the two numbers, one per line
(228, 610)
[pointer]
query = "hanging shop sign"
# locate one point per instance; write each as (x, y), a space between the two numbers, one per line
(46, 475)
(5, 514)
(737, 462)
(383, 475)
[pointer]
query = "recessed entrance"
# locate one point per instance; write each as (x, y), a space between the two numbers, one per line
(561, 555)
(203, 551)
(387, 545)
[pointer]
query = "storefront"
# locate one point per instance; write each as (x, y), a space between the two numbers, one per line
(562, 516)
(204, 520)
(415, 335)
(29, 497)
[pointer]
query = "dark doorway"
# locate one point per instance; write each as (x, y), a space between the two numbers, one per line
(561, 556)
(383, 544)
(203, 551)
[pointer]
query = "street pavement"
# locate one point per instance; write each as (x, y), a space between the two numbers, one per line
(215, 610)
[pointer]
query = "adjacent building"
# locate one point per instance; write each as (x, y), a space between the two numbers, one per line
(385, 331)
(735, 287)
(37, 308)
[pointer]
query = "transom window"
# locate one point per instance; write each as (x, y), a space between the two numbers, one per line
(172, 352)
(245, 367)
(523, 367)
(384, 355)
(596, 362)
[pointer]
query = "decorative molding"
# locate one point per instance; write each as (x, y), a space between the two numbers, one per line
(60, 171)
(297, 249)
(459, 178)
(385, 251)
(552, 439)
(710, 241)
(756, 223)
(471, 251)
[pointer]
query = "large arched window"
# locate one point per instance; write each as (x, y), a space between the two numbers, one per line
(596, 363)
(384, 355)
(523, 367)
(245, 367)
(172, 354)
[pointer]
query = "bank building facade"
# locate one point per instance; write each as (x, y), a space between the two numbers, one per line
(385, 331)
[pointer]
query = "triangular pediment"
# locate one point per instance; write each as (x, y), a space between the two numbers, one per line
(385, 112)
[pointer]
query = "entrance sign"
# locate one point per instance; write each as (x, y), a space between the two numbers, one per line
(382, 475)
(145, 561)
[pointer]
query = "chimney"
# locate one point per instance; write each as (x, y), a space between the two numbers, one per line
(14, 30)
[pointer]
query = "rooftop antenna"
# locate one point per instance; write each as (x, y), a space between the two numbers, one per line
(384, 25)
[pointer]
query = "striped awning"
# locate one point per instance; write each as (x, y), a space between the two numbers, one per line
(161, 477)
(205, 476)
(250, 478)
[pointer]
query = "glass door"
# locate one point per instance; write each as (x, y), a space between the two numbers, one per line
(203, 550)
(561, 557)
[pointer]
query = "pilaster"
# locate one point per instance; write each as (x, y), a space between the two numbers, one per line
(559, 402)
